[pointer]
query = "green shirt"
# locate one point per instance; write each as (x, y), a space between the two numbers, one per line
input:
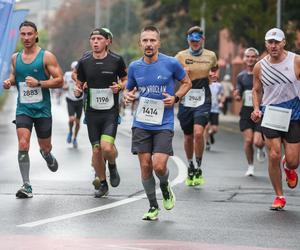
(33, 102)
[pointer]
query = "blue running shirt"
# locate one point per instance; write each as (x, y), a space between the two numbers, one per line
(152, 80)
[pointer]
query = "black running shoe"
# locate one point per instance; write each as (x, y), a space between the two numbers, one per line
(24, 192)
(114, 177)
(51, 161)
(102, 191)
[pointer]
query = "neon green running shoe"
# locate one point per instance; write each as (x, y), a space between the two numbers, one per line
(168, 196)
(151, 214)
(189, 181)
(198, 178)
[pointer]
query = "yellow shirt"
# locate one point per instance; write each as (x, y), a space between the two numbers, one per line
(198, 66)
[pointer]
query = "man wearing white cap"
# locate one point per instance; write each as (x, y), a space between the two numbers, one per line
(276, 101)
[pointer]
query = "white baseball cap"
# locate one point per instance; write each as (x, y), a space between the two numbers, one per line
(275, 34)
(74, 64)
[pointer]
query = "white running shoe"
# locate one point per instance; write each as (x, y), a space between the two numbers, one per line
(261, 154)
(250, 171)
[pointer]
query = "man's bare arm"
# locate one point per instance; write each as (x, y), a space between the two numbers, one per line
(256, 93)
(53, 70)
(11, 79)
(185, 86)
(297, 66)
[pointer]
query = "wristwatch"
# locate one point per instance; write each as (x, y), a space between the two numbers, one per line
(176, 98)
(39, 84)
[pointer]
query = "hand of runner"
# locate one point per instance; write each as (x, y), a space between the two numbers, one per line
(31, 81)
(115, 87)
(129, 96)
(169, 100)
(7, 84)
(256, 115)
(77, 91)
(236, 95)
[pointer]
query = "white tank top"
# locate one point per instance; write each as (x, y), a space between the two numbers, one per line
(280, 84)
(71, 85)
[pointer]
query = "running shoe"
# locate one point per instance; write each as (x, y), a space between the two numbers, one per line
(189, 181)
(168, 196)
(24, 192)
(102, 191)
(198, 178)
(51, 161)
(69, 137)
(75, 143)
(151, 214)
(96, 182)
(260, 154)
(114, 177)
(250, 171)
(291, 175)
(278, 203)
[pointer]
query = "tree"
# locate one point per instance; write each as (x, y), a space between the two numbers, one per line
(74, 21)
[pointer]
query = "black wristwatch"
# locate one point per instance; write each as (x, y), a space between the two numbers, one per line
(39, 84)
(176, 98)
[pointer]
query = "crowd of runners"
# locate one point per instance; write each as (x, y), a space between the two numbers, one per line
(269, 118)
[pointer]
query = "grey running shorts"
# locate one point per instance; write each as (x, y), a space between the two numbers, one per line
(152, 141)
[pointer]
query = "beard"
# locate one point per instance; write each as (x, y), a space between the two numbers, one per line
(147, 50)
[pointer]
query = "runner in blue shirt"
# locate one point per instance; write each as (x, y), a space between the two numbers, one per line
(154, 76)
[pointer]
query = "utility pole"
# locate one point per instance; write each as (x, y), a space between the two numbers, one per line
(127, 18)
(97, 13)
(278, 16)
(202, 19)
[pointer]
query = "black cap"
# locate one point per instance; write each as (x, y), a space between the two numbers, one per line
(101, 32)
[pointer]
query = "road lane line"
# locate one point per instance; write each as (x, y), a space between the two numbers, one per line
(179, 179)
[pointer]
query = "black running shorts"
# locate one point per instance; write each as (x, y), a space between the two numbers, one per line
(102, 126)
(74, 107)
(292, 136)
(43, 125)
(247, 123)
(214, 118)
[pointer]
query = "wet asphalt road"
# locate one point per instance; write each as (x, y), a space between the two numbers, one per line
(230, 211)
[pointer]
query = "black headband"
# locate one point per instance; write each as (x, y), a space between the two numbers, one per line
(28, 23)
(100, 32)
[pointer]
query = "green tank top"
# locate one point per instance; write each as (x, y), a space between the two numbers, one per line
(33, 102)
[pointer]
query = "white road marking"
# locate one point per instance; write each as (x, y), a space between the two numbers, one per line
(179, 179)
